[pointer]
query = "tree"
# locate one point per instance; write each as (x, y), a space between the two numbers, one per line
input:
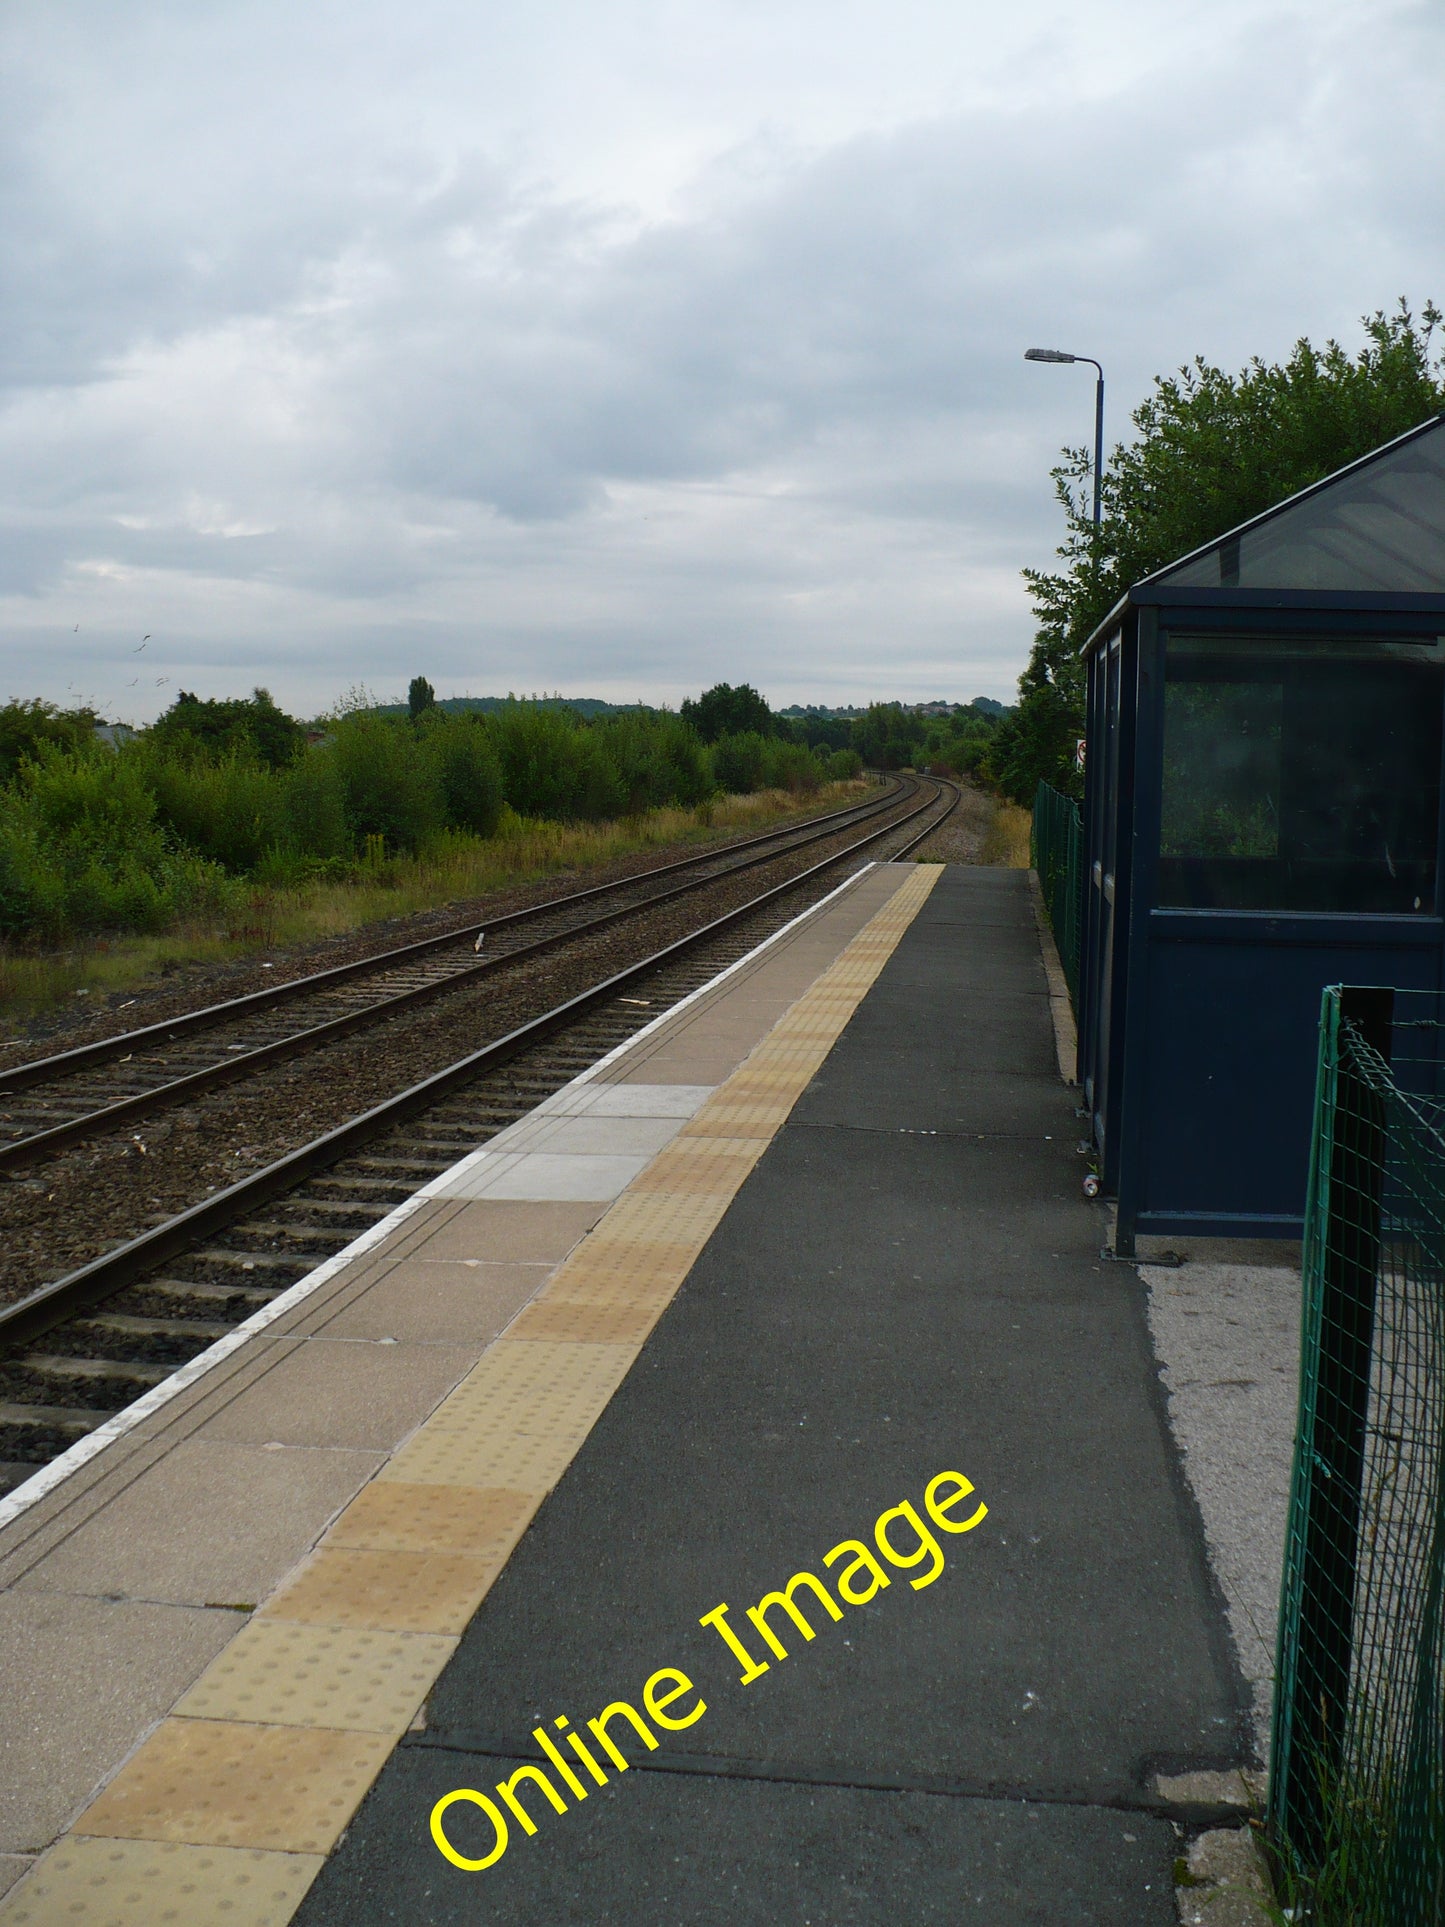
(727, 711)
(1212, 450)
(248, 726)
(25, 726)
(419, 696)
(469, 773)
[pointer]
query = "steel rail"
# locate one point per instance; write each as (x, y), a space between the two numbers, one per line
(40, 1070)
(51, 1304)
(17, 1152)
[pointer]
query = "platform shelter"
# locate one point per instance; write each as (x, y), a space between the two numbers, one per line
(1262, 818)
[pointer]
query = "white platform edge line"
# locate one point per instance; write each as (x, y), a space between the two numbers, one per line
(84, 1450)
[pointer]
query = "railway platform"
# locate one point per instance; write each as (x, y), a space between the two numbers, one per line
(740, 1492)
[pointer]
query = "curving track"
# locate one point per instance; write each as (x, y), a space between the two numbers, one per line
(83, 1347)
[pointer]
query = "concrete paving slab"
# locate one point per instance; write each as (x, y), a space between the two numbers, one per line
(84, 1679)
(221, 1783)
(214, 1522)
(660, 1849)
(539, 1176)
(397, 1592)
(433, 1518)
(433, 1301)
(590, 1323)
(339, 1391)
(629, 1100)
(503, 1231)
(592, 1134)
(13, 1867)
(279, 1673)
(686, 1061)
(139, 1883)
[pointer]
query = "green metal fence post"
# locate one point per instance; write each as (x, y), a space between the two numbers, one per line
(1326, 1581)
(1056, 844)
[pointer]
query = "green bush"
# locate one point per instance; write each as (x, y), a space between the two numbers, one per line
(468, 773)
(659, 760)
(250, 727)
(82, 850)
(218, 798)
(543, 760)
(790, 766)
(233, 811)
(388, 789)
(315, 807)
(738, 761)
(28, 727)
(843, 765)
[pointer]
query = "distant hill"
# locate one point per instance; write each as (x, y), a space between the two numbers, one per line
(985, 705)
(588, 706)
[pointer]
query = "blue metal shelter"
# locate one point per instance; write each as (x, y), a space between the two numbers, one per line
(1262, 817)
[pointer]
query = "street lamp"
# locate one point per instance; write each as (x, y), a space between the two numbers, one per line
(1057, 354)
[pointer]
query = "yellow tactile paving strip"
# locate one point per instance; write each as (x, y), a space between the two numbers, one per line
(229, 1783)
(227, 1810)
(278, 1673)
(117, 1883)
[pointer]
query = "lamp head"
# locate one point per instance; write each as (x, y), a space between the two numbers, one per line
(1047, 354)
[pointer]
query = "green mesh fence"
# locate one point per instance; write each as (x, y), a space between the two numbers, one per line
(1357, 1775)
(1056, 849)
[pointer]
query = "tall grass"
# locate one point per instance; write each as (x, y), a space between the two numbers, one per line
(1006, 840)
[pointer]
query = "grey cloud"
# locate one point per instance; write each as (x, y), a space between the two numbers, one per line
(302, 363)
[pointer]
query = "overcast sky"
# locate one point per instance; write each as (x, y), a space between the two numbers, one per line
(620, 346)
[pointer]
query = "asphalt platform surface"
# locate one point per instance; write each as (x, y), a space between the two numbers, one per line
(909, 1282)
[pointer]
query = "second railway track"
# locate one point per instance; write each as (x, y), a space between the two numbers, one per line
(81, 1348)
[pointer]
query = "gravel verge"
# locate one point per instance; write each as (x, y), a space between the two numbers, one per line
(1227, 1339)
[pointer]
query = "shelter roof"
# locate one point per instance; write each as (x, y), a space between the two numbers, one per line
(1374, 527)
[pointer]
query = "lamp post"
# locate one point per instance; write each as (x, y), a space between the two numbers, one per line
(1057, 354)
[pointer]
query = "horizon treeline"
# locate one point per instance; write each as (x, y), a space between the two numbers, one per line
(111, 832)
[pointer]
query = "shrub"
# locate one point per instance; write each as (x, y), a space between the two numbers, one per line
(27, 727)
(81, 850)
(468, 773)
(315, 807)
(659, 760)
(250, 727)
(540, 750)
(790, 766)
(389, 791)
(737, 761)
(233, 811)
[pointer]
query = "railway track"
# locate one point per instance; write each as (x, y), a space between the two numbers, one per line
(52, 1102)
(77, 1351)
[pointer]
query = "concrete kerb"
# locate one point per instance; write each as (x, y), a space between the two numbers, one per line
(1061, 1010)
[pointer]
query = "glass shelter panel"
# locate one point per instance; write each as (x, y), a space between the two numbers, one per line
(1300, 775)
(1378, 525)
